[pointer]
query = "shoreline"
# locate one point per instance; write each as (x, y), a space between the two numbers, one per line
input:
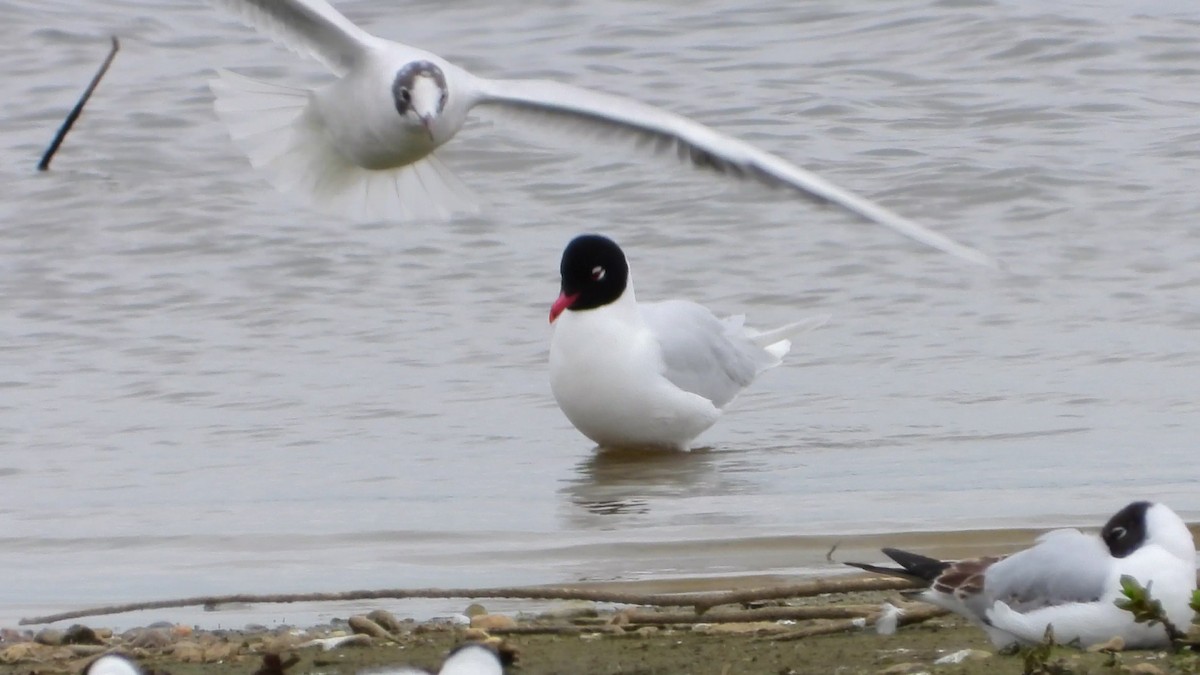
(579, 637)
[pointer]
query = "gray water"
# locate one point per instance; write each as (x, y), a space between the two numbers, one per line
(205, 388)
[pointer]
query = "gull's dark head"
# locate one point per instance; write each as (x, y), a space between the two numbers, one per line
(419, 92)
(1149, 524)
(1125, 532)
(594, 274)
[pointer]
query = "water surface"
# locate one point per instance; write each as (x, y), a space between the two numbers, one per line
(206, 389)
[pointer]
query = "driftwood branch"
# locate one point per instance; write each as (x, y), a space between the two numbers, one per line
(78, 109)
(750, 615)
(700, 601)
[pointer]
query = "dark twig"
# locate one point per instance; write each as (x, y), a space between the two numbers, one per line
(74, 114)
(700, 601)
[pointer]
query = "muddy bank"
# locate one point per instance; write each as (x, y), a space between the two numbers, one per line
(581, 639)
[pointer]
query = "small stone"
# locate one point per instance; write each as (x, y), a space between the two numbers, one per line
(80, 634)
(387, 620)
(180, 630)
(104, 633)
(490, 622)
(647, 631)
(1115, 644)
(49, 636)
(1146, 669)
(148, 638)
(608, 629)
(475, 609)
(365, 626)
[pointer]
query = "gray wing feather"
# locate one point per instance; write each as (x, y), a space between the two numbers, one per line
(308, 27)
(702, 354)
(1064, 566)
(702, 146)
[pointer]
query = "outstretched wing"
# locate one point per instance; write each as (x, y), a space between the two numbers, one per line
(308, 27)
(702, 146)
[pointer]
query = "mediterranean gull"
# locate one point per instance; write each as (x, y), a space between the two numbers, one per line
(656, 374)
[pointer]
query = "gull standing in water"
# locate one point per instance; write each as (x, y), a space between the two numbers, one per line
(653, 374)
(1068, 580)
(363, 146)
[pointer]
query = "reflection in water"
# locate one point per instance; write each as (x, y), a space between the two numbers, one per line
(624, 482)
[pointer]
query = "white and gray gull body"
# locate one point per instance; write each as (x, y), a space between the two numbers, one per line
(1069, 580)
(363, 146)
(656, 374)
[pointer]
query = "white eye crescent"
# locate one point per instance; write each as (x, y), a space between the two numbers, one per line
(1118, 532)
(598, 273)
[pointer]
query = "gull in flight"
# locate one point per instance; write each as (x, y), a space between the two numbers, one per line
(364, 145)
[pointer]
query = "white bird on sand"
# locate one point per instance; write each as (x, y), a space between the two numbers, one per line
(1068, 580)
(112, 664)
(655, 374)
(363, 146)
(468, 659)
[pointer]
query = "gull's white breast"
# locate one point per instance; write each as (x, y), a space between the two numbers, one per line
(606, 374)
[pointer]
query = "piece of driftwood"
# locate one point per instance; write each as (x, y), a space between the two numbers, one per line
(644, 618)
(700, 601)
(75, 112)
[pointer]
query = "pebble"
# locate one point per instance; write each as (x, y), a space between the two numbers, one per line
(1146, 669)
(148, 638)
(365, 626)
(87, 650)
(387, 620)
(474, 609)
(49, 636)
(491, 622)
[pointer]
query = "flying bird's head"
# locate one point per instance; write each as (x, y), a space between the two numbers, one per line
(594, 273)
(420, 93)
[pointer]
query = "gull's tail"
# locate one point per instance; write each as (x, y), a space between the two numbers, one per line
(281, 135)
(777, 341)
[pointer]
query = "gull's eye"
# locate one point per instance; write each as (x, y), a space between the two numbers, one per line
(1118, 533)
(406, 95)
(597, 273)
